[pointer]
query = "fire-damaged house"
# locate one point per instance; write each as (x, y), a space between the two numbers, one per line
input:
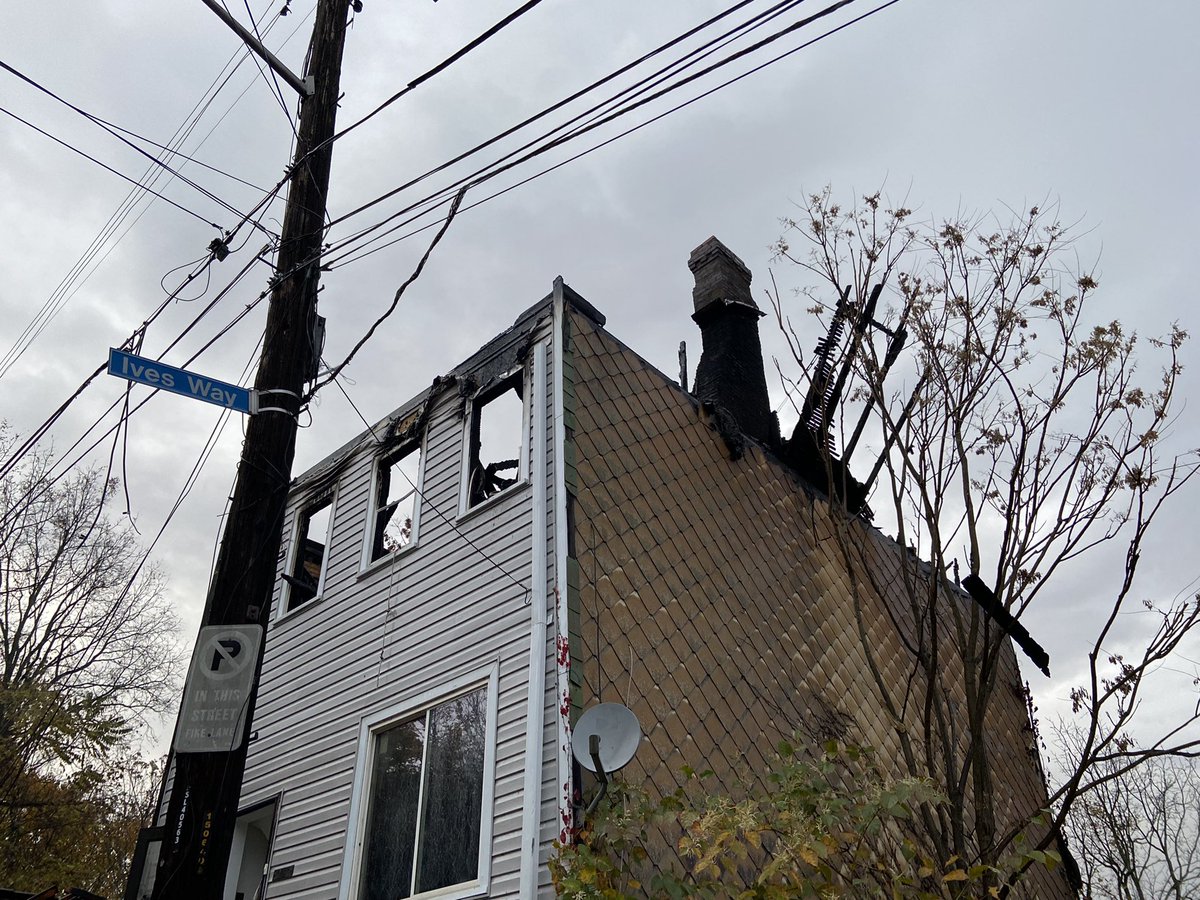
(554, 524)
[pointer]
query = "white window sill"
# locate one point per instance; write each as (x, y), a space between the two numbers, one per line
(295, 611)
(454, 892)
(511, 490)
(387, 559)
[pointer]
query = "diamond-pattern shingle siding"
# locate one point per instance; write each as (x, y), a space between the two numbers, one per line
(716, 598)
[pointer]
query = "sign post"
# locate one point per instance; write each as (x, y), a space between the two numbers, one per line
(202, 811)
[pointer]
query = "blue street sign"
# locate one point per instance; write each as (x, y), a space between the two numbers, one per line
(178, 381)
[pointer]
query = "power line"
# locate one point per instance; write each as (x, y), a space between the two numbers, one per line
(273, 82)
(108, 168)
(495, 168)
(80, 272)
(27, 445)
(420, 79)
(189, 483)
(205, 453)
(441, 197)
(592, 125)
(537, 116)
(543, 113)
(483, 173)
(444, 64)
(596, 123)
(416, 273)
(7, 466)
(173, 152)
(51, 308)
(100, 123)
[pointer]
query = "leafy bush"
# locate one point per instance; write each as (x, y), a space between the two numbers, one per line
(829, 824)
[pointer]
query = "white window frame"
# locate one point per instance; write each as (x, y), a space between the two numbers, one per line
(289, 565)
(464, 489)
(366, 563)
(360, 798)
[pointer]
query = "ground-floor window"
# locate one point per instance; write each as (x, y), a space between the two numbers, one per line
(423, 796)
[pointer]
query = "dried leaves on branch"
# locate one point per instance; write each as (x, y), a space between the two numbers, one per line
(1017, 438)
(88, 644)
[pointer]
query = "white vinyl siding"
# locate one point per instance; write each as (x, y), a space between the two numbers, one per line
(404, 627)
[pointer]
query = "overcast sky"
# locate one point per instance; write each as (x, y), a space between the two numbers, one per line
(954, 105)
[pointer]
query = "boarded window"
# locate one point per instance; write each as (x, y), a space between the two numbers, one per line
(396, 497)
(309, 556)
(425, 808)
(497, 419)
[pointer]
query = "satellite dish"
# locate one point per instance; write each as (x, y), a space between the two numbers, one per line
(619, 735)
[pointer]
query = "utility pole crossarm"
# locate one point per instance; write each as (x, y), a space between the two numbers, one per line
(305, 87)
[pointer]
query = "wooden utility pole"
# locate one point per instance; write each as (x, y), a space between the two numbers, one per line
(203, 807)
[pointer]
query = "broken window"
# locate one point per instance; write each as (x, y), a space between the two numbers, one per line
(495, 439)
(308, 554)
(396, 478)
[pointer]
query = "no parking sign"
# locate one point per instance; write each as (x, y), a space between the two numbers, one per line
(213, 716)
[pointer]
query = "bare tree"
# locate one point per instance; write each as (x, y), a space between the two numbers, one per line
(86, 635)
(1136, 835)
(1013, 440)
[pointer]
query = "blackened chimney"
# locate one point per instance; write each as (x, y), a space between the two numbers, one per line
(730, 373)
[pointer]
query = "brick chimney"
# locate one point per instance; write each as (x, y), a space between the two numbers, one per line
(730, 374)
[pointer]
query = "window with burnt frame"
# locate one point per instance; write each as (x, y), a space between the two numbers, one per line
(397, 501)
(309, 553)
(495, 439)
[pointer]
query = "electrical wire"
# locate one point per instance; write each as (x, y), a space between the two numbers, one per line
(30, 440)
(63, 463)
(334, 262)
(80, 271)
(100, 123)
(543, 113)
(179, 153)
(589, 127)
(420, 79)
(507, 162)
(272, 79)
(537, 116)
(440, 198)
(459, 54)
(416, 273)
(108, 168)
(50, 309)
(15, 353)
(333, 376)
(198, 467)
(483, 173)
(440, 67)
